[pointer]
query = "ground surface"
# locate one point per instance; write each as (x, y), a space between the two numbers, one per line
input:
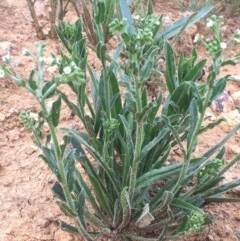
(27, 209)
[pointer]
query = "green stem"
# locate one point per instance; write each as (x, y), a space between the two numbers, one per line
(139, 139)
(58, 155)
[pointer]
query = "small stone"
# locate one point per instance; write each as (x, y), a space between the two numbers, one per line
(29, 150)
(236, 98)
(5, 48)
(13, 135)
(2, 117)
(210, 237)
(237, 216)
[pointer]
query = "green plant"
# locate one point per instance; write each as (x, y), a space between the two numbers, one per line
(127, 190)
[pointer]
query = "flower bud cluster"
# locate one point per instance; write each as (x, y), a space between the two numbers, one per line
(69, 30)
(215, 22)
(72, 73)
(212, 168)
(147, 26)
(29, 119)
(196, 221)
(214, 47)
(118, 26)
(110, 125)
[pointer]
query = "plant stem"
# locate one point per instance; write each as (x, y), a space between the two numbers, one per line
(58, 155)
(139, 139)
(38, 28)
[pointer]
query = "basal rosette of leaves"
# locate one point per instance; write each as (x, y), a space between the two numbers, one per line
(130, 190)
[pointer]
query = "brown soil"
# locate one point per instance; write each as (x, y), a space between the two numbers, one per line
(27, 209)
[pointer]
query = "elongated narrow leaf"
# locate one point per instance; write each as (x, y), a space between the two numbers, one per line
(185, 205)
(126, 13)
(221, 199)
(128, 135)
(117, 214)
(101, 12)
(176, 27)
(163, 158)
(183, 226)
(222, 142)
(94, 220)
(147, 148)
(50, 158)
(156, 175)
(109, 171)
(66, 209)
(218, 88)
(126, 208)
(64, 41)
(102, 195)
(55, 111)
(101, 52)
(80, 207)
(31, 84)
(149, 7)
(58, 191)
(195, 73)
(212, 125)
(181, 98)
(170, 73)
(221, 189)
(69, 228)
(193, 110)
(116, 102)
(49, 89)
(91, 198)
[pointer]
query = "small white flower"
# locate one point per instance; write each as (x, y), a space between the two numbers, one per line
(223, 45)
(67, 70)
(72, 64)
(33, 116)
(197, 38)
(6, 58)
(42, 60)
(237, 33)
(236, 40)
(209, 23)
(25, 52)
(136, 17)
(2, 74)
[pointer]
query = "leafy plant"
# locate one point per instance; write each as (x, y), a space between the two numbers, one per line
(129, 189)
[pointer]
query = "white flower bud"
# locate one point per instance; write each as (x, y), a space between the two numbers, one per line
(209, 23)
(67, 70)
(223, 45)
(26, 52)
(6, 58)
(33, 116)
